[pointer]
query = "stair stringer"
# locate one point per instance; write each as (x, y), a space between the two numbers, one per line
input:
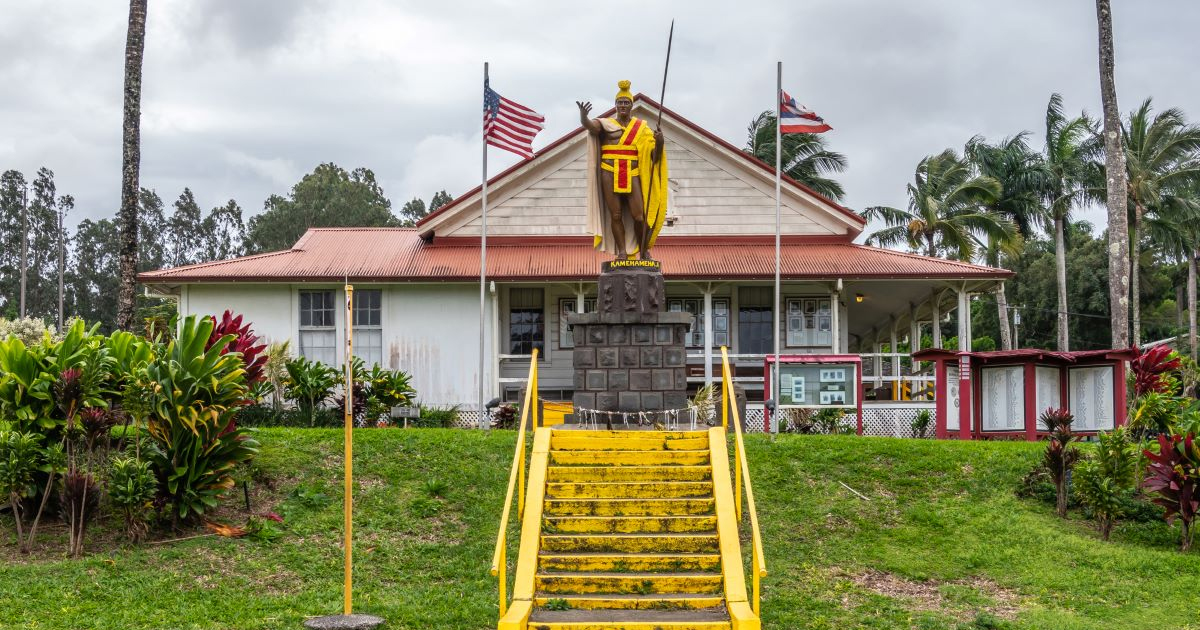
(740, 613)
(517, 617)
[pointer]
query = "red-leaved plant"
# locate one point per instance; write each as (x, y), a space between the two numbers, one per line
(1060, 456)
(1151, 368)
(245, 342)
(1173, 477)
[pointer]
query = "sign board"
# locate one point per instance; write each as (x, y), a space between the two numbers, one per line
(406, 412)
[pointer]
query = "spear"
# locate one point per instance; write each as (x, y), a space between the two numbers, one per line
(663, 95)
(644, 241)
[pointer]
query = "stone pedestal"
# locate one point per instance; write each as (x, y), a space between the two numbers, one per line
(630, 356)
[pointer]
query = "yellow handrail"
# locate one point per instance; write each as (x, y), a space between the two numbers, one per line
(758, 563)
(516, 479)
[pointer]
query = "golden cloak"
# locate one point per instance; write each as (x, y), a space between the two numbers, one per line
(653, 177)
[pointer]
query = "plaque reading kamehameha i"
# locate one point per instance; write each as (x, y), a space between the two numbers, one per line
(630, 291)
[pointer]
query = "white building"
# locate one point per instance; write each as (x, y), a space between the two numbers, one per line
(417, 289)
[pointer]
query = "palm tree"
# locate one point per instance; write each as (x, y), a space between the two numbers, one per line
(131, 157)
(1160, 157)
(946, 211)
(806, 158)
(1022, 178)
(1175, 226)
(1114, 167)
(1069, 158)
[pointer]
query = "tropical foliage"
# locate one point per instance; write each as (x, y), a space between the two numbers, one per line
(806, 157)
(1104, 481)
(947, 211)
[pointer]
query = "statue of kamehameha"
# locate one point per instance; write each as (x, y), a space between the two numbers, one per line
(627, 180)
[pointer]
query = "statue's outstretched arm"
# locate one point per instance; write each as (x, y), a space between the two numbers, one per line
(590, 124)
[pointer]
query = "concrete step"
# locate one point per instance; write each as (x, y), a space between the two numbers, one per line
(628, 473)
(634, 441)
(628, 434)
(629, 562)
(629, 620)
(628, 583)
(697, 457)
(629, 507)
(630, 490)
(628, 524)
(629, 543)
(615, 601)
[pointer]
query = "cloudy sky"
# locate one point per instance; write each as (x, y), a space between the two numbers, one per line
(241, 99)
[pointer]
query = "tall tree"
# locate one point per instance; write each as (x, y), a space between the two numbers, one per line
(153, 228)
(1114, 167)
(95, 277)
(806, 157)
(440, 198)
(1160, 158)
(42, 291)
(184, 238)
(12, 186)
(327, 197)
(946, 212)
(131, 157)
(1069, 158)
(224, 232)
(412, 211)
(1021, 176)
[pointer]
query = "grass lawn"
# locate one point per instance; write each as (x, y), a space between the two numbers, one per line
(942, 543)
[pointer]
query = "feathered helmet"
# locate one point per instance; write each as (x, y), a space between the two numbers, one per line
(623, 90)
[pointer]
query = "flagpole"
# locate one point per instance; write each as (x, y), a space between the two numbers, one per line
(348, 476)
(483, 423)
(775, 379)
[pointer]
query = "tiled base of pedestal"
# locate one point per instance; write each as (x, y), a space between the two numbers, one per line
(630, 367)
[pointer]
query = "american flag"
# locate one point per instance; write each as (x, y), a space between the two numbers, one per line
(508, 125)
(795, 118)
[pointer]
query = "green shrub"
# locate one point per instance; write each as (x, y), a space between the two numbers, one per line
(20, 458)
(197, 392)
(131, 488)
(920, 424)
(438, 417)
(265, 416)
(1104, 481)
(310, 384)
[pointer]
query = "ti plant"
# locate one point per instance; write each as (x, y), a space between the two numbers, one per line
(1173, 478)
(19, 460)
(1105, 480)
(197, 391)
(310, 384)
(131, 487)
(1060, 456)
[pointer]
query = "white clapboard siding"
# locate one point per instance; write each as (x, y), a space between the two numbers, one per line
(713, 192)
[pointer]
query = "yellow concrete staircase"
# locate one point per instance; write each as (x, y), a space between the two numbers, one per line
(629, 530)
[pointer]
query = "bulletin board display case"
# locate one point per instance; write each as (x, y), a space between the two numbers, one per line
(816, 381)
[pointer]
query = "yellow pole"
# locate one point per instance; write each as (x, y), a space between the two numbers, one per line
(349, 454)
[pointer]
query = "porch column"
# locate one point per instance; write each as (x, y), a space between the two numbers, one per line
(914, 335)
(964, 321)
(895, 361)
(708, 335)
(935, 304)
(835, 326)
(877, 348)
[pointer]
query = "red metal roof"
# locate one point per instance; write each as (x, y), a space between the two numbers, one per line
(996, 356)
(691, 125)
(400, 255)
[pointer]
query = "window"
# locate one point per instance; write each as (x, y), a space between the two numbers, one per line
(368, 326)
(526, 321)
(755, 320)
(566, 306)
(695, 337)
(318, 337)
(809, 322)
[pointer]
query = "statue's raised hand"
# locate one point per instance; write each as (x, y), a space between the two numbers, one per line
(584, 109)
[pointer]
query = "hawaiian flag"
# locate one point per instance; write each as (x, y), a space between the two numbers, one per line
(509, 125)
(795, 118)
